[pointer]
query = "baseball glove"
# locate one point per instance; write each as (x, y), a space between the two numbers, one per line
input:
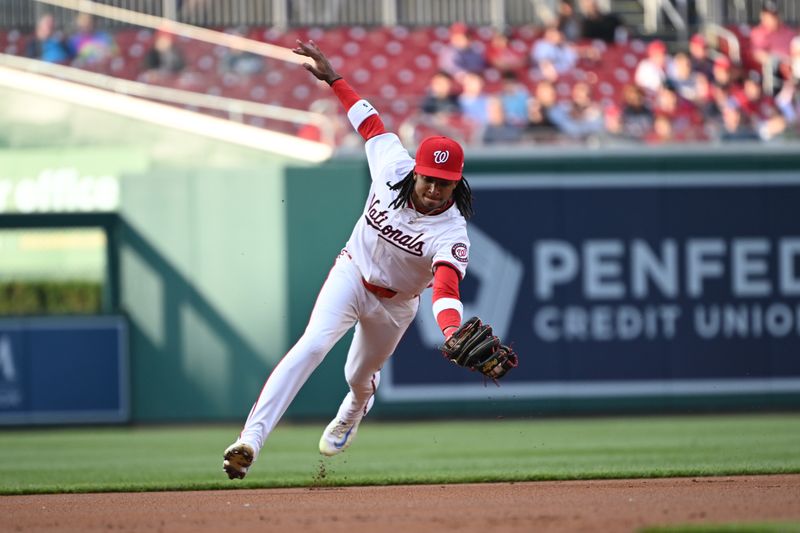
(474, 346)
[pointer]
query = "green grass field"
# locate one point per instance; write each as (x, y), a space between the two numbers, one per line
(189, 458)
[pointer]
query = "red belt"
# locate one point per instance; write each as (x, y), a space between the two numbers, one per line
(380, 292)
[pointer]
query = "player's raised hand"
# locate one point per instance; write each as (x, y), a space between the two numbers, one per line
(321, 69)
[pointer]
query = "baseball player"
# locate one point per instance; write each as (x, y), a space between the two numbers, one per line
(411, 234)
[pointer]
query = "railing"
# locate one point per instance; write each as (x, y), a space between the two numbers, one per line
(716, 33)
(768, 70)
(729, 12)
(126, 16)
(22, 14)
(163, 116)
(234, 108)
(654, 10)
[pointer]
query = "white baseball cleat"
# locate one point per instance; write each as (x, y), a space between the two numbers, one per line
(238, 458)
(337, 436)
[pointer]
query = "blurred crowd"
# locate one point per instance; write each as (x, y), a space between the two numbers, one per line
(693, 93)
(487, 91)
(86, 46)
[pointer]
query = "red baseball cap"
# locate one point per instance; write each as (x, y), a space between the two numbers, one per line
(656, 47)
(440, 157)
(459, 27)
(722, 62)
(613, 111)
(698, 39)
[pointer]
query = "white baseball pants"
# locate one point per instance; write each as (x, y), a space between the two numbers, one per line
(343, 302)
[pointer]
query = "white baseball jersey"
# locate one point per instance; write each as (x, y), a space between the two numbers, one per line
(397, 248)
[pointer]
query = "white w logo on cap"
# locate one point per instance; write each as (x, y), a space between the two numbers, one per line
(441, 156)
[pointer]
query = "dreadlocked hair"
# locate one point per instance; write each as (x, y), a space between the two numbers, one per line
(405, 186)
(462, 194)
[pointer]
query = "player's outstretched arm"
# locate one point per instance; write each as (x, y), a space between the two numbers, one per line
(362, 115)
(321, 69)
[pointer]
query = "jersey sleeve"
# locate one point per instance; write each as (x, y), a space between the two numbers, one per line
(387, 157)
(453, 250)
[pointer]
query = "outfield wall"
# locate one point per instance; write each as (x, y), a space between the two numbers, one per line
(606, 269)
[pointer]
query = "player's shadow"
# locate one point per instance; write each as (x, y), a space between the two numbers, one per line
(176, 377)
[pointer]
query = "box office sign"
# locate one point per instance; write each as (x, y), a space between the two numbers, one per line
(68, 180)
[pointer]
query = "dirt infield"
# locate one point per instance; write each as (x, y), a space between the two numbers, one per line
(607, 505)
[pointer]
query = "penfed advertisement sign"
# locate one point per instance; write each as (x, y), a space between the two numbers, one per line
(621, 285)
(677, 278)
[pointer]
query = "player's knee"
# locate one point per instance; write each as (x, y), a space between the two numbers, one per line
(313, 348)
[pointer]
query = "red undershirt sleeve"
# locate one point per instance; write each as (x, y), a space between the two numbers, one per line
(447, 307)
(362, 115)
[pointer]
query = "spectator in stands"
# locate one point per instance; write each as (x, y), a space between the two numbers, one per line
(514, 100)
(698, 53)
(661, 132)
(771, 39)
(460, 55)
(788, 101)
(759, 109)
(498, 128)
(637, 118)
(617, 131)
(788, 98)
(48, 44)
(606, 27)
(794, 57)
(568, 22)
(239, 62)
(615, 128)
(683, 116)
(502, 56)
(722, 72)
(651, 71)
(612, 120)
(736, 126)
(750, 98)
(441, 96)
(552, 55)
(580, 117)
(89, 45)
(724, 82)
(539, 126)
(682, 78)
(704, 100)
(164, 58)
(473, 102)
